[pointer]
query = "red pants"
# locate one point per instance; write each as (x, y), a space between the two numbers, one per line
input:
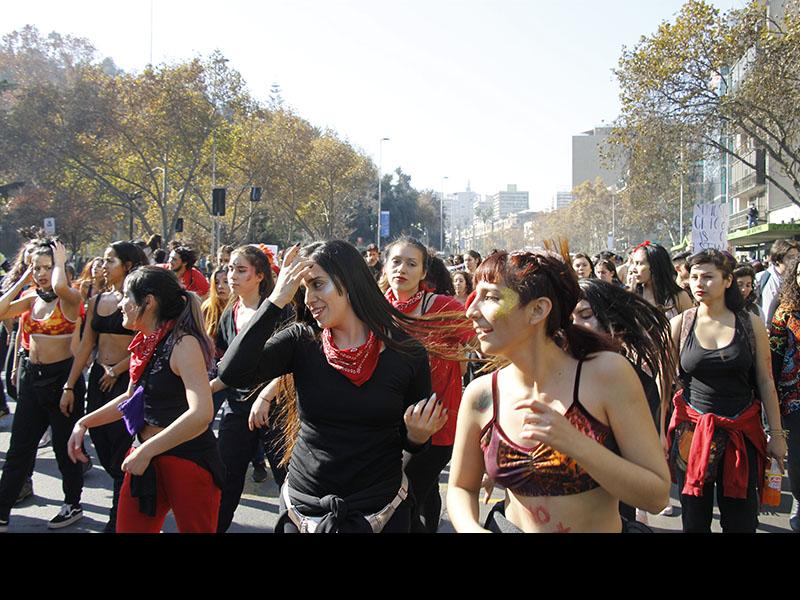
(183, 486)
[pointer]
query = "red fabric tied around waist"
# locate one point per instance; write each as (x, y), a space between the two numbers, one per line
(748, 423)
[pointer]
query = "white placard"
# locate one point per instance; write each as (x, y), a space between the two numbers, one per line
(50, 226)
(710, 226)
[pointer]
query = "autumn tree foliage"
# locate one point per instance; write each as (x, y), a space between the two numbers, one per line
(112, 154)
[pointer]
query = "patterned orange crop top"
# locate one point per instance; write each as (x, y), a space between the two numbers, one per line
(56, 324)
(540, 470)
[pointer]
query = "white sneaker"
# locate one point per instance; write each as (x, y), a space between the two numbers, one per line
(669, 511)
(46, 439)
(66, 516)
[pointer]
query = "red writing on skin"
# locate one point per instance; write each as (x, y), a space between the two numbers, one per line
(561, 529)
(540, 515)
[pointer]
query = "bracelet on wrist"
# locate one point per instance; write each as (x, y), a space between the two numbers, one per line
(782, 432)
(67, 389)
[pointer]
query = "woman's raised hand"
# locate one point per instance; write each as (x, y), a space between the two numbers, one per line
(424, 418)
(293, 271)
(59, 253)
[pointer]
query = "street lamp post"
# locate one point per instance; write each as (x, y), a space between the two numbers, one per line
(441, 217)
(380, 177)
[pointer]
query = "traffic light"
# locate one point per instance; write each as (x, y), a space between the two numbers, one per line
(255, 194)
(218, 202)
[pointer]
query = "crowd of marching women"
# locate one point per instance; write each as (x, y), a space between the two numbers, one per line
(357, 378)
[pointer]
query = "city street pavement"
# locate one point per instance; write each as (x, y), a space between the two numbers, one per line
(258, 510)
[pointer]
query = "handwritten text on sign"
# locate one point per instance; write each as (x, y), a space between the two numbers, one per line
(710, 226)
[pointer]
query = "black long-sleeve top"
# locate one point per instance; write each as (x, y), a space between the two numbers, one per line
(351, 438)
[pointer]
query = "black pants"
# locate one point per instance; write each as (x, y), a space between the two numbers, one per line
(237, 446)
(111, 441)
(423, 472)
(37, 408)
(8, 362)
(736, 515)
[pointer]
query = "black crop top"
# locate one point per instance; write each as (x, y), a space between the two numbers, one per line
(351, 438)
(109, 324)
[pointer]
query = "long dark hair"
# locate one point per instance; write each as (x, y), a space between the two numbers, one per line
(725, 263)
(546, 274)
(173, 302)
(642, 328)
(351, 276)
(438, 277)
(128, 252)
(662, 274)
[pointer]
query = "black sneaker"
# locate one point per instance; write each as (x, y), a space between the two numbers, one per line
(259, 472)
(66, 516)
(25, 492)
(3, 525)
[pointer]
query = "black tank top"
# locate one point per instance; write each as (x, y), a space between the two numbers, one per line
(718, 381)
(109, 324)
(165, 394)
(165, 401)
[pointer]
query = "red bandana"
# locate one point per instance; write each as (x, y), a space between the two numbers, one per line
(357, 364)
(406, 306)
(142, 348)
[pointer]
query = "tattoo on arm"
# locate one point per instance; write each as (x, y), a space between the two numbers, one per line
(483, 402)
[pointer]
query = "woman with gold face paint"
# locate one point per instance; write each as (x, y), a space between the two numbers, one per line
(547, 426)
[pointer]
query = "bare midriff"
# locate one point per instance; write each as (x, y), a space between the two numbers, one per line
(595, 511)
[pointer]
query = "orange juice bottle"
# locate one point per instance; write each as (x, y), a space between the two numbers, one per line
(771, 494)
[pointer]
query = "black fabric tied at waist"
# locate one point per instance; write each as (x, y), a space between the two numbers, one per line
(144, 487)
(341, 515)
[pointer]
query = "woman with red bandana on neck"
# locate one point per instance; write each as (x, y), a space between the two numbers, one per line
(168, 406)
(406, 264)
(362, 392)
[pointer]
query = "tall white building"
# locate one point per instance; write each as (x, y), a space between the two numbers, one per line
(459, 208)
(511, 200)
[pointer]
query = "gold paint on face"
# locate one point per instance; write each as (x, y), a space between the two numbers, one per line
(509, 300)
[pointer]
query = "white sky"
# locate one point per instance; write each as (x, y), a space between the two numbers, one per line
(483, 91)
